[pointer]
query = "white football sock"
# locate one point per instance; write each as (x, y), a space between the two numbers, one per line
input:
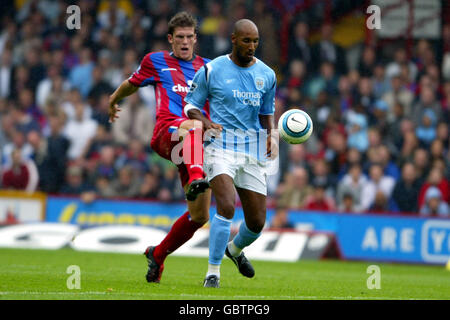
(235, 251)
(213, 269)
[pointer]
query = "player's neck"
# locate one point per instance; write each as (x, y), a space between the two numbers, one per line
(239, 63)
(179, 58)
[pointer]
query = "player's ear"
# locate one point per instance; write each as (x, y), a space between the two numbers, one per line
(233, 38)
(170, 38)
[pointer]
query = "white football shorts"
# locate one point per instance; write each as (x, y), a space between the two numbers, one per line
(246, 172)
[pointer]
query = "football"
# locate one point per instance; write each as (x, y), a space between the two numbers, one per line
(295, 126)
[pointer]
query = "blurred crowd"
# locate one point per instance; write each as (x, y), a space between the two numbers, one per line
(381, 125)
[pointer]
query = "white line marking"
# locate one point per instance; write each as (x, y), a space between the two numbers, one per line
(186, 295)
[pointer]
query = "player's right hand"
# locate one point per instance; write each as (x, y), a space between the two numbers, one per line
(208, 125)
(113, 109)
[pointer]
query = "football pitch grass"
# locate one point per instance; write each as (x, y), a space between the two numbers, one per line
(42, 274)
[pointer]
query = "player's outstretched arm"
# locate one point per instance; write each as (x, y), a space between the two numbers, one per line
(124, 90)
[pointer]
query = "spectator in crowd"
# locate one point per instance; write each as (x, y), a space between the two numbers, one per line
(126, 184)
(380, 84)
(389, 166)
(346, 96)
(326, 50)
(406, 190)
(296, 76)
(295, 189)
(434, 205)
(299, 47)
(352, 157)
(105, 166)
(393, 68)
(100, 112)
(150, 186)
(427, 102)
(51, 82)
(75, 183)
(135, 121)
(380, 203)
(81, 74)
(19, 142)
(426, 130)
(102, 138)
(24, 121)
(79, 130)
(336, 151)
(347, 204)
(379, 118)
(421, 160)
(377, 182)
(6, 73)
(398, 94)
(71, 99)
(443, 134)
(99, 86)
(437, 150)
(351, 184)
(364, 97)
(35, 66)
(134, 157)
(296, 157)
(367, 62)
(280, 219)
(319, 200)
(357, 133)
(20, 175)
(319, 111)
(321, 173)
(326, 81)
(51, 160)
(435, 179)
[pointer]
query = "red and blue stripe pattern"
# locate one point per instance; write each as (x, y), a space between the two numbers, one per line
(171, 77)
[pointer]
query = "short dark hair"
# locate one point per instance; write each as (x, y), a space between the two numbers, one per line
(182, 19)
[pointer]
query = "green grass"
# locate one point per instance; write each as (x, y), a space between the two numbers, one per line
(41, 274)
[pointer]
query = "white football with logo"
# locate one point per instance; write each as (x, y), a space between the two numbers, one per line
(295, 126)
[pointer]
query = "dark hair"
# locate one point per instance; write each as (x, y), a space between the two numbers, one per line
(182, 19)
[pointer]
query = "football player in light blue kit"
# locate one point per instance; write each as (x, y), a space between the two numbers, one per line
(241, 93)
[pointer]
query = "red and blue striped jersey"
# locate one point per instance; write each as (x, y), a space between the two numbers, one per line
(171, 78)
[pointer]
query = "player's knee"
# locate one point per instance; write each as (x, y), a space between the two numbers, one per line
(200, 216)
(226, 210)
(256, 224)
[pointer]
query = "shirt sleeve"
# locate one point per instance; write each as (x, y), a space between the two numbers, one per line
(268, 105)
(145, 74)
(198, 91)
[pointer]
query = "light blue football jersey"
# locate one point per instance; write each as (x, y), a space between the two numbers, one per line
(237, 96)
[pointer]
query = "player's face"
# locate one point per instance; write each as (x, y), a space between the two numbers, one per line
(183, 40)
(245, 44)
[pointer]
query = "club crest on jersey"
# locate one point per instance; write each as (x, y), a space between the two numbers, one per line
(192, 87)
(259, 82)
